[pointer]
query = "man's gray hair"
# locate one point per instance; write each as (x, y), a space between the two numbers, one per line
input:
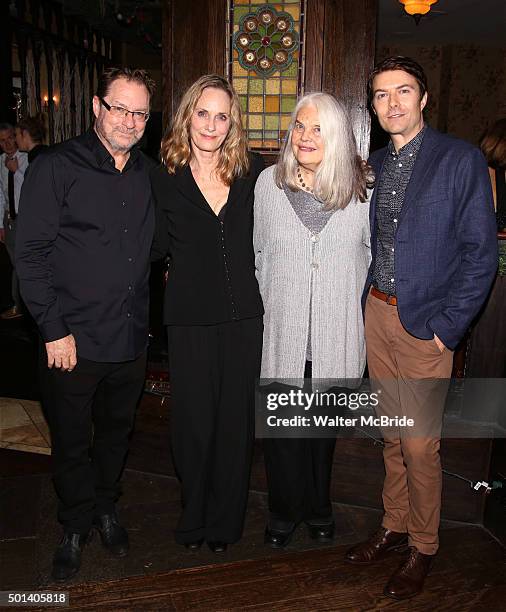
(6, 126)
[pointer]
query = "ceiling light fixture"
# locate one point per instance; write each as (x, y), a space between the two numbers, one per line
(417, 8)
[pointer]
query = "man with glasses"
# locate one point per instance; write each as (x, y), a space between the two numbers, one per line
(84, 234)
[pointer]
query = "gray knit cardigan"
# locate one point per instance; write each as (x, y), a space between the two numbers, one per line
(290, 262)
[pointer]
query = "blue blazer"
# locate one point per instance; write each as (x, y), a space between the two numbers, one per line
(445, 245)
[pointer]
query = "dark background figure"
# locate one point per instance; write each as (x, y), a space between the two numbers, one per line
(213, 310)
(13, 165)
(86, 227)
(487, 348)
(30, 136)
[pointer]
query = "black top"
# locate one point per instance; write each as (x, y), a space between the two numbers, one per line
(82, 248)
(500, 192)
(36, 151)
(212, 265)
(392, 185)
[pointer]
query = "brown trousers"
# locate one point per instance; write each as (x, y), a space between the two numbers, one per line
(412, 377)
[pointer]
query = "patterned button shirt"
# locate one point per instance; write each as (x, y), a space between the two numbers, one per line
(393, 182)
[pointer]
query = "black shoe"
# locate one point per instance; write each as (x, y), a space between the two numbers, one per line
(277, 539)
(321, 533)
(114, 537)
(194, 545)
(217, 546)
(67, 556)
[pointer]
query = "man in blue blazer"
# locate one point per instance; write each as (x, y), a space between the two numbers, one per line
(434, 256)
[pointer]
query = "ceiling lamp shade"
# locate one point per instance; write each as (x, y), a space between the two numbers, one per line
(417, 7)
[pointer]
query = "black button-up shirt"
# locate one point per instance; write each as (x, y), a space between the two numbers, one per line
(82, 248)
(394, 179)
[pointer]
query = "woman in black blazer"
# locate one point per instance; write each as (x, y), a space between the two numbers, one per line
(203, 194)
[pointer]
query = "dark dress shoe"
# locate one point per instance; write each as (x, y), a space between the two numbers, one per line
(321, 533)
(195, 545)
(377, 546)
(217, 546)
(407, 581)
(114, 537)
(67, 556)
(277, 539)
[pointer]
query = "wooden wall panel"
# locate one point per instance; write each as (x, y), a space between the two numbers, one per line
(6, 99)
(358, 474)
(362, 50)
(340, 43)
(194, 38)
(314, 26)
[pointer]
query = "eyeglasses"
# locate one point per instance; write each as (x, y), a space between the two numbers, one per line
(122, 113)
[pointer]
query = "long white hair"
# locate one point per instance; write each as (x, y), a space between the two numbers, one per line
(341, 176)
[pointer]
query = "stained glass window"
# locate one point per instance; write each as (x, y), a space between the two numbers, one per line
(265, 50)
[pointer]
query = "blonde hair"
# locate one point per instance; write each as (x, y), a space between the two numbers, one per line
(176, 147)
(341, 176)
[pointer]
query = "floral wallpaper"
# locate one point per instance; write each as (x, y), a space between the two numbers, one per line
(467, 85)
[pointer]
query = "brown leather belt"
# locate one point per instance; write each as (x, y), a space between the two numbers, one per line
(391, 300)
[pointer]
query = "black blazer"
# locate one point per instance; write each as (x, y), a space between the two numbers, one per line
(212, 265)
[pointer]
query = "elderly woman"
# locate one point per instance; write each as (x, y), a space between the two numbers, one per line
(203, 193)
(311, 241)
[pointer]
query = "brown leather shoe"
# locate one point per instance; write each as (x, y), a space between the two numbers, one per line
(376, 547)
(407, 580)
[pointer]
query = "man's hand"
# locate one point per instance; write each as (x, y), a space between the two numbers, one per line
(439, 344)
(61, 353)
(2, 234)
(12, 164)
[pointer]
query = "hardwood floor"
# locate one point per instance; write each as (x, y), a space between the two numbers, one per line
(469, 574)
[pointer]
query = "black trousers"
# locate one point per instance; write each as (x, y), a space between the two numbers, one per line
(212, 376)
(299, 471)
(90, 412)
